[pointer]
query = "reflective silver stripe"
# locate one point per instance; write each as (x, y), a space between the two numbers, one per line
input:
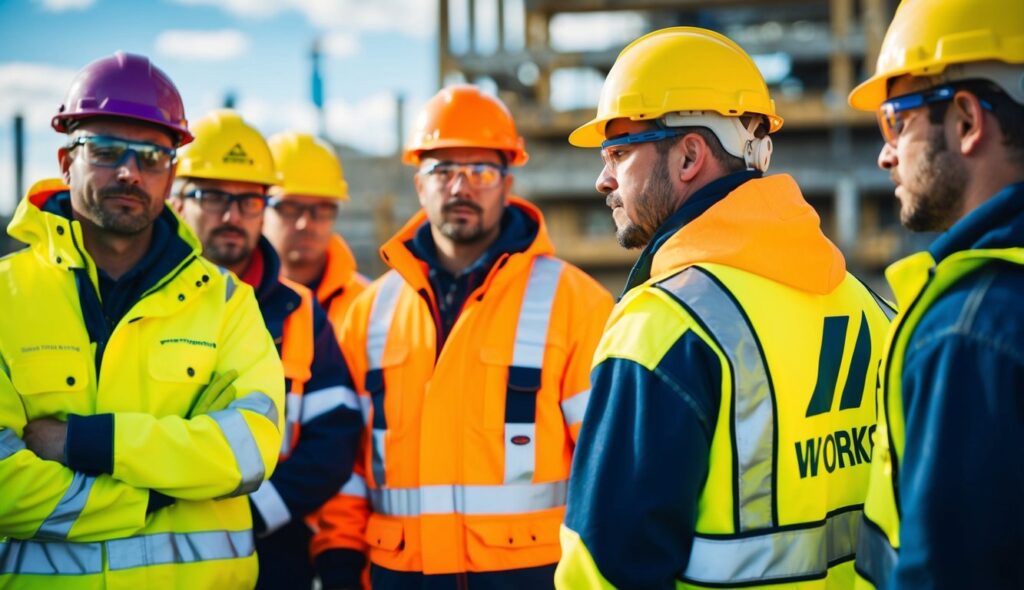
(229, 283)
(535, 313)
(481, 499)
(164, 548)
(245, 449)
(520, 457)
(774, 556)
(753, 435)
(377, 456)
(574, 407)
(292, 412)
(319, 402)
(9, 443)
(271, 507)
(259, 403)
(365, 404)
(876, 558)
(50, 558)
(58, 524)
(355, 486)
(380, 318)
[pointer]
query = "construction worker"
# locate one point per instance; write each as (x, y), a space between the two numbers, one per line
(303, 208)
(472, 358)
(220, 192)
(140, 394)
(729, 429)
(943, 507)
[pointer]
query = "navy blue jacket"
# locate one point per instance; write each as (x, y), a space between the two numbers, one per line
(961, 483)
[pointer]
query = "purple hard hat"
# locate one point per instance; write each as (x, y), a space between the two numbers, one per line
(124, 85)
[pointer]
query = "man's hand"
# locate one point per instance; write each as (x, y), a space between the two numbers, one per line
(46, 437)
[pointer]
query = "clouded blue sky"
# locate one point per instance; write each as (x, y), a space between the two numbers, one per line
(257, 49)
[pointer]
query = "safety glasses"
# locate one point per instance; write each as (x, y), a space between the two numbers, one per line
(293, 210)
(218, 202)
(478, 174)
(111, 152)
(891, 119)
(643, 137)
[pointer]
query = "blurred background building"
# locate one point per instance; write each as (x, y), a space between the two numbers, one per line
(547, 59)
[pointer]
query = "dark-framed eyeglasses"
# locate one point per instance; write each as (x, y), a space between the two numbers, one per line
(293, 210)
(218, 201)
(890, 120)
(110, 152)
(477, 174)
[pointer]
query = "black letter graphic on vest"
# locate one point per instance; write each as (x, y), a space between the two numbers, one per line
(833, 344)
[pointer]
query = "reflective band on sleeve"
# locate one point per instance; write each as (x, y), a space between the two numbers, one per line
(355, 486)
(49, 559)
(535, 313)
(380, 318)
(259, 403)
(164, 548)
(377, 459)
(520, 452)
(451, 499)
(229, 283)
(9, 443)
(753, 435)
(776, 556)
(292, 412)
(876, 558)
(58, 524)
(574, 407)
(271, 506)
(244, 448)
(319, 402)
(365, 403)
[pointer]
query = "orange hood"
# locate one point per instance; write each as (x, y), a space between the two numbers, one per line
(764, 227)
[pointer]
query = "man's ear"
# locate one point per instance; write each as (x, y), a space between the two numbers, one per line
(65, 160)
(694, 153)
(969, 122)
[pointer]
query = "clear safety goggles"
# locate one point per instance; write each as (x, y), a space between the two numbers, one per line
(110, 152)
(477, 174)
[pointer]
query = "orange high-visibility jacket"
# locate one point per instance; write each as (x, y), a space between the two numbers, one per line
(467, 450)
(340, 283)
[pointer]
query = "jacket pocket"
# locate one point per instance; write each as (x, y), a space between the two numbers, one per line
(45, 372)
(384, 533)
(386, 388)
(182, 363)
(516, 532)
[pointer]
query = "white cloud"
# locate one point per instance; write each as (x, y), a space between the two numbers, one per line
(340, 44)
(415, 18)
(220, 45)
(64, 5)
(34, 90)
(596, 30)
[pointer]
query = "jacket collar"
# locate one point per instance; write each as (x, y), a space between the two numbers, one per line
(339, 270)
(997, 223)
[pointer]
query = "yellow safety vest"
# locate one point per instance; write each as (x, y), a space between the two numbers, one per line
(918, 282)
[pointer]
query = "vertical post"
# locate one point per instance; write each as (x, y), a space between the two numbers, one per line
(19, 156)
(444, 57)
(317, 88)
(841, 78)
(399, 122)
(472, 26)
(501, 26)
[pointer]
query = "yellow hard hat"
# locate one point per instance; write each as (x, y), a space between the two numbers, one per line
(927, 36)
(679, 69)
(306, 166)
(463, 116)
(226, 148)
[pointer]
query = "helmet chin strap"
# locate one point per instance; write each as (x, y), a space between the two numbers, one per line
(736, 139)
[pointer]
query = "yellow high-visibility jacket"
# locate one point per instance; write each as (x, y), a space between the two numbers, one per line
(190, 388)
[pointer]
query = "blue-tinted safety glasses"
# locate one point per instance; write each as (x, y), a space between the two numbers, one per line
(889, 119)
(478, 174)
(643, 137)
(111, 152)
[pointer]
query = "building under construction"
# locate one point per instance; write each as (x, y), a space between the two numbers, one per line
(811, 52)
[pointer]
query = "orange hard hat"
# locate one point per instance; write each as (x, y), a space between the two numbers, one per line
(463, 116)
